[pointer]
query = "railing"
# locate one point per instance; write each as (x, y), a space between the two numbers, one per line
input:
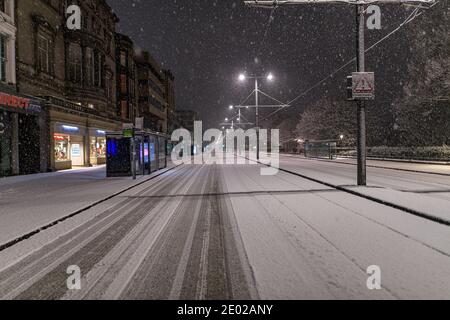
(72, 106)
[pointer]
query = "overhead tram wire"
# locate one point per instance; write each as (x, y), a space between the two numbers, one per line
(415, 14)
(261, 45)
(267, 29)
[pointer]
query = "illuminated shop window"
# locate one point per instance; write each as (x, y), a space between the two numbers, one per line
(61, 147)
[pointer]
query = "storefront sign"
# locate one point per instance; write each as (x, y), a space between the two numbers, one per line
(59, 138)
(24, 104)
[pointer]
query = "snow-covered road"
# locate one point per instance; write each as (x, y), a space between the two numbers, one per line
(427, 193)
(226, 232)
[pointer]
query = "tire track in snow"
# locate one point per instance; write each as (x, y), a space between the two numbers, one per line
(39, 267)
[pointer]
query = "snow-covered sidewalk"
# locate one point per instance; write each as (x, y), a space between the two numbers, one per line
(424, 193)
(425, 167)
(30, 202)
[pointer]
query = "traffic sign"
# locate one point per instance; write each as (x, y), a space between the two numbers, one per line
(363, 85)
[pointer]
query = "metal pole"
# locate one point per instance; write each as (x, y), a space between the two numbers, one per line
(133, 157)
(257, 118)
(360, 19)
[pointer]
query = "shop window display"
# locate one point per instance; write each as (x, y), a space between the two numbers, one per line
(62, 147)
(98, 147)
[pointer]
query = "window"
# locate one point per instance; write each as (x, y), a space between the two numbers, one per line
(75, 66)
(43, 54)
(61, 147)
(3, 58)
(109, 89)
(98, 70)
(3, 6)
(90, 66)
(123, 84)
(123, 58)
(124, 109)
(98, 147)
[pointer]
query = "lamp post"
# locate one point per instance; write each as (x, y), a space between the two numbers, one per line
(360, 57)
(242, 78)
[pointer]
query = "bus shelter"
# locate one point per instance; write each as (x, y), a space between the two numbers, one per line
(149, 153)
(321, 149)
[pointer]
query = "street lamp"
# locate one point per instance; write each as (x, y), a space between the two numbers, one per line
(231, 107)
(269, 77)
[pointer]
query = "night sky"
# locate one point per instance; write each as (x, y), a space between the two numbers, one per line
(207, 43)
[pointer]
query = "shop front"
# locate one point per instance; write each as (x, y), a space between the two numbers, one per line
(97, 146)
(22, 133)
(78, 146)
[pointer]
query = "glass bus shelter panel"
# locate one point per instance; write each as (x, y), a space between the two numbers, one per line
(146, 155)
(153, 153)
(118, 161)
(139, 152)
(162, 152)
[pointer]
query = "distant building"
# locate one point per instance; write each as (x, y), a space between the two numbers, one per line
(172, 120)
(187, 118)
(153, 106)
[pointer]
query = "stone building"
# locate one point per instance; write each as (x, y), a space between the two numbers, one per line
(75, 72)
(61, 90)
(22, 122)
(126, 70)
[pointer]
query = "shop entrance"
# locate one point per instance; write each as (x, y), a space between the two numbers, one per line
(29, 146)
(5, 144)
(77, 150)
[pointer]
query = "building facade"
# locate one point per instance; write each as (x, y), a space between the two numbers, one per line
(74, 72)
(187, 118)
(61, 90)
(153, 105)
(126, 70)
(22, 122)
(172, 119)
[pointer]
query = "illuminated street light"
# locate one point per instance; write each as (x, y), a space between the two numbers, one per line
(231, 107)
(268, 77)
